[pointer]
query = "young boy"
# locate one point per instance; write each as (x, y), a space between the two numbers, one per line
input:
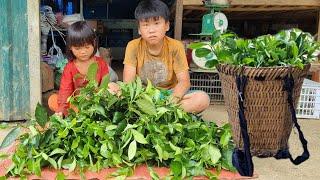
(160, 59)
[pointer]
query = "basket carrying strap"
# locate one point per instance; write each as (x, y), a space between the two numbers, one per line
(284, 154)
(242, 160)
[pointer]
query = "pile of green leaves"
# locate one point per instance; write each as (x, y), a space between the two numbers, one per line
(137, 127)
(286, 48)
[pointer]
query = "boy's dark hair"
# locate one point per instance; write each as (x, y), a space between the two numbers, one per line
(80, 34)
(147, 9)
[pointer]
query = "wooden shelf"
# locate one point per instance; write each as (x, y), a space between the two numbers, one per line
(261, 2)
(194, 9)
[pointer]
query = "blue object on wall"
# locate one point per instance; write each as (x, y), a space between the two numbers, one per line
(69, 8)
(14, 61)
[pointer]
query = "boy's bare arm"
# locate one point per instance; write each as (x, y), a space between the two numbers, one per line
(183, 85)
(129, 73)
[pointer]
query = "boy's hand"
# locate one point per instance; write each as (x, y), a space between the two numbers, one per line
(114, 88)
(175, 99)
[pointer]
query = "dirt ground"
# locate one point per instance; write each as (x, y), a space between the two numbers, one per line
(272, 169)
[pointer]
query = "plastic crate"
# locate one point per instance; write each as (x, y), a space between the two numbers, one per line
(309, 101)
(208, 82)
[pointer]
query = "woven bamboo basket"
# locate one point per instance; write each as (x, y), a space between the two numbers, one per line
(266, 107)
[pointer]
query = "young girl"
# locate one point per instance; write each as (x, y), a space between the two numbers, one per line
(81, 48)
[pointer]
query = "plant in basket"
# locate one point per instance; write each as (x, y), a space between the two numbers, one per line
(263, 78)
(287, 48)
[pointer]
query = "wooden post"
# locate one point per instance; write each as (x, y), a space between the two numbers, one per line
(34, 53)
(318, 26)
(178, 20)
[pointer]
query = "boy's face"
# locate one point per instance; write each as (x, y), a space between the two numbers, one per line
(153, 30)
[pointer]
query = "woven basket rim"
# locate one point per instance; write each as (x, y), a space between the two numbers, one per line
(270, 67)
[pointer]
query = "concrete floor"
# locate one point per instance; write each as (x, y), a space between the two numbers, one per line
(272, 169)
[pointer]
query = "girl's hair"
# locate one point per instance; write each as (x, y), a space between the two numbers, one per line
(147, 9)
(80, 34)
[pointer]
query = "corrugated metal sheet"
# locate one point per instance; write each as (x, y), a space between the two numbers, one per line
(14, 62)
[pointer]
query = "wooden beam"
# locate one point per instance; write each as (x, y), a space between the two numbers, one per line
(262, 2)
(277, 8)
(187, 12)
(256, 9)
(178, 20)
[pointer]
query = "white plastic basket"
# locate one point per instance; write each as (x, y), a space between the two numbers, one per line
(309, 101)
(208, 82)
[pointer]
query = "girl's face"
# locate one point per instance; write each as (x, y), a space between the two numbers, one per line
(83, 53)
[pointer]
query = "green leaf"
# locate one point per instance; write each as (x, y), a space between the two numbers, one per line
(33, 131)
(116, 159)
(4, 125)
(75, 143)
(159, 151)
(149, 88)
(294, 50)
(111, 127)
(92, 72)
(63, 133)
(146, 106)
(52, 162)
(214, 153)
(153, 174)
(122, 177)
(227, 160)
(225, 138)
(139, 137)
(60, 176)
(196, 45)
(58, 151)
(10, 137)
(132, 149)
(117, 117)
(202, 52)
(41, 115)
(105, 81)
(37, 168)
(104, 150)
(215, 37)
(67, 164)
(3, 156)
(139, 87)
(176, 168)
(211, 63)
(130, 126)
(175, 148)
(98, 110)
(85, 151)
(247, 61)
(59, 163)
(45, 156)
(127, 138)
(73, 165)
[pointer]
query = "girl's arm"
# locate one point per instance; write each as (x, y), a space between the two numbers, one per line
(65, 91)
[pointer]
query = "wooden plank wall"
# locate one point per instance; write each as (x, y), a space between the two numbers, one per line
(14, 61)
